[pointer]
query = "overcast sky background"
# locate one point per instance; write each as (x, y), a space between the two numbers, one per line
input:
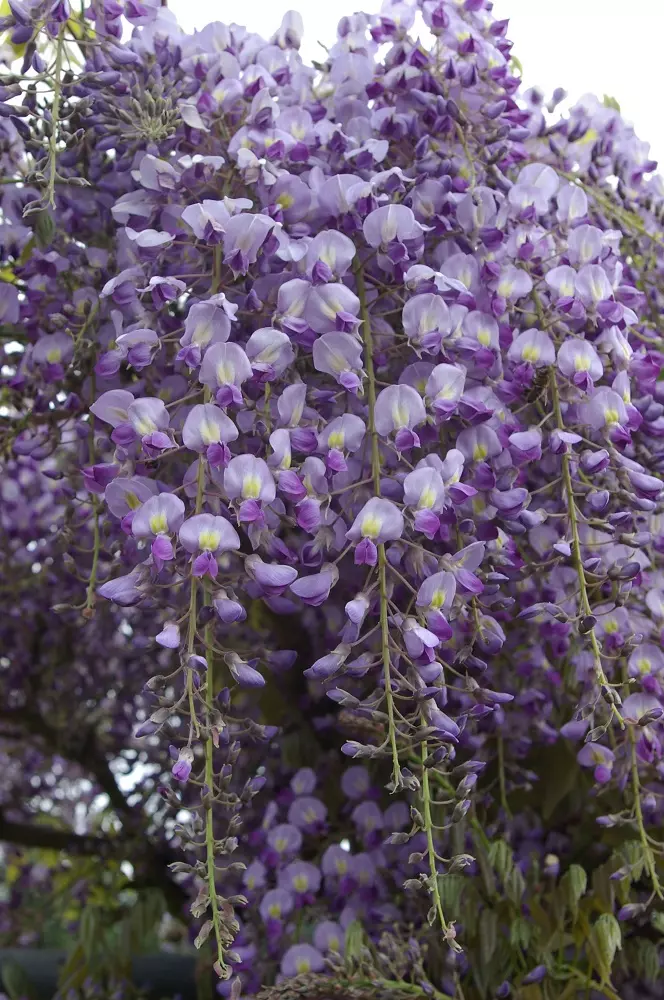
(599, 46)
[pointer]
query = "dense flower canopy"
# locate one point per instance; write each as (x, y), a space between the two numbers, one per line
(331, 518)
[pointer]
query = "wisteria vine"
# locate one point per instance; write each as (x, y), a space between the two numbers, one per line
(331, 410)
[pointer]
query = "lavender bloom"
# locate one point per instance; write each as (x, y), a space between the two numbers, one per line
(276, 904)
(207, 430)
(300, 959)
(285, 840)
(424, 490)
(579, 361)
(534, 347)
(272, 578)
(243, 671)
(249, 480)
(399, 408)
(207, 535)
(378, 522)
(599, 757)
(159, 517)
(356, 782)
(390, 224)
(228, 609)
(329, 256)
(169, 637)
(182, 767)
(243, 238)
(224, 369)
(207, 323)
(339, 355)
(307, 813)
(332, 307)
(444, 389)
(270, 353)
(300, 878)
(123, 590)
(426, 322)
(314, 590)
(536, 185)
(329, 936)
(343, 434)
(304, 781)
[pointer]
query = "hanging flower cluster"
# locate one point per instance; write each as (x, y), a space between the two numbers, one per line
(342, 380)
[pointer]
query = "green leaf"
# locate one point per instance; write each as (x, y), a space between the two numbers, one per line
(605, 940)
(354, 943)
(16, 982)
(611, 102)
(451, 888)
(657, 920)
(574, 884)
(520, 934)
(488, 934)
(501, 857)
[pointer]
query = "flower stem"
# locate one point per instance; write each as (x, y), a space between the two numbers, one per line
(55, 117)
(431, 850)
(382, 558)
(576, 547)
(638, 811)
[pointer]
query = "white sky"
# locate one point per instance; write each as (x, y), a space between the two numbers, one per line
(609, 47)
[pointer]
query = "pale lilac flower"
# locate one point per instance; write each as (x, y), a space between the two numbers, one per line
(169, 637)
(207, 323)
(424, 490)
(534, 347)
(291, 403)
(535, 186)
(300, 959)
(526, 446)
(562, 280)
(342, 435)
(444, 389)
(340, 355)
(585, 244)
(249, 479)
(123, 590)
(208, 535)
(272, 578)
(243, 238)
(314, 590)
(599, 757)
(592, 285)
(304, 781)
(208, 430)
(148, 418)
(276, 904)
(285, 839)
(329, 936)
(300, 877)
(390, 224)
(378, 522)
(426, 322)
(579, 361)
(182, 767)
(270, 353)
(329, 256)
(244, 672)
(228, 609)
(158, 518)
(332, 307)
(606, 411)
(225, 368)
(479, 443)
(399, 408)
(572, 202)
